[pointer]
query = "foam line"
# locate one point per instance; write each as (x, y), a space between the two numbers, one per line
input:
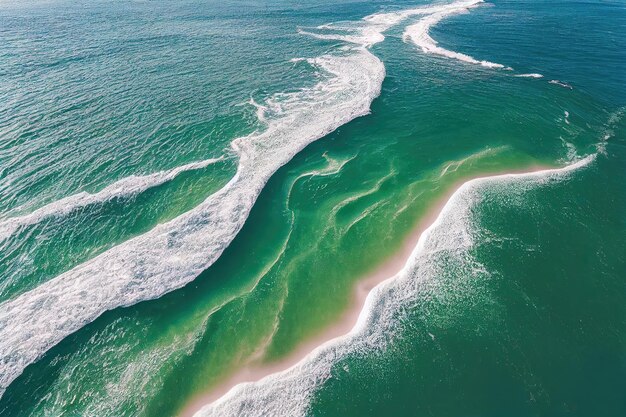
(532, 75)
(418, 33)
(174, 253)
(333, 166)
(288, 393)
(365, 37)
(125, 187)
(455, 165)
(561, 84)
(370, 30)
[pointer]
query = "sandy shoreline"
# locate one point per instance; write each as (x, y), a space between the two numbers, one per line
(388, 269)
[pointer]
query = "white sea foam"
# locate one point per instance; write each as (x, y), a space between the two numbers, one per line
(453, 166)
(531, 75)
(333, 166)
(125, 187)
(366, 32)
(364, 36)
(609, 130)
(372, 32)
(418, 33)
(561, 84)
(369, 31)
(571, 152)
(174, 253)
(260, 110)
(288, 393)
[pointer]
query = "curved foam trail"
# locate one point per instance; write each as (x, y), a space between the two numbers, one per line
(561, 84)
(125, 187)
(367, 37)
(362, 194)
(455, 165)
(418, 33)
(532, 75)
(174, 253)
(288, 393)
(369, 31)
(333, 166)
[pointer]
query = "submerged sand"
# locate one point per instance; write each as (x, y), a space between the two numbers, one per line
(387, 270)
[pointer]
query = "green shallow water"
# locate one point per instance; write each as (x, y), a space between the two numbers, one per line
(536, 332)
(533, 325)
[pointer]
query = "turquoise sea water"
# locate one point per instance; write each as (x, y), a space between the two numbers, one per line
(188, 188)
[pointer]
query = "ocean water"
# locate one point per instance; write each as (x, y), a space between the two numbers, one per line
(188, 188)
